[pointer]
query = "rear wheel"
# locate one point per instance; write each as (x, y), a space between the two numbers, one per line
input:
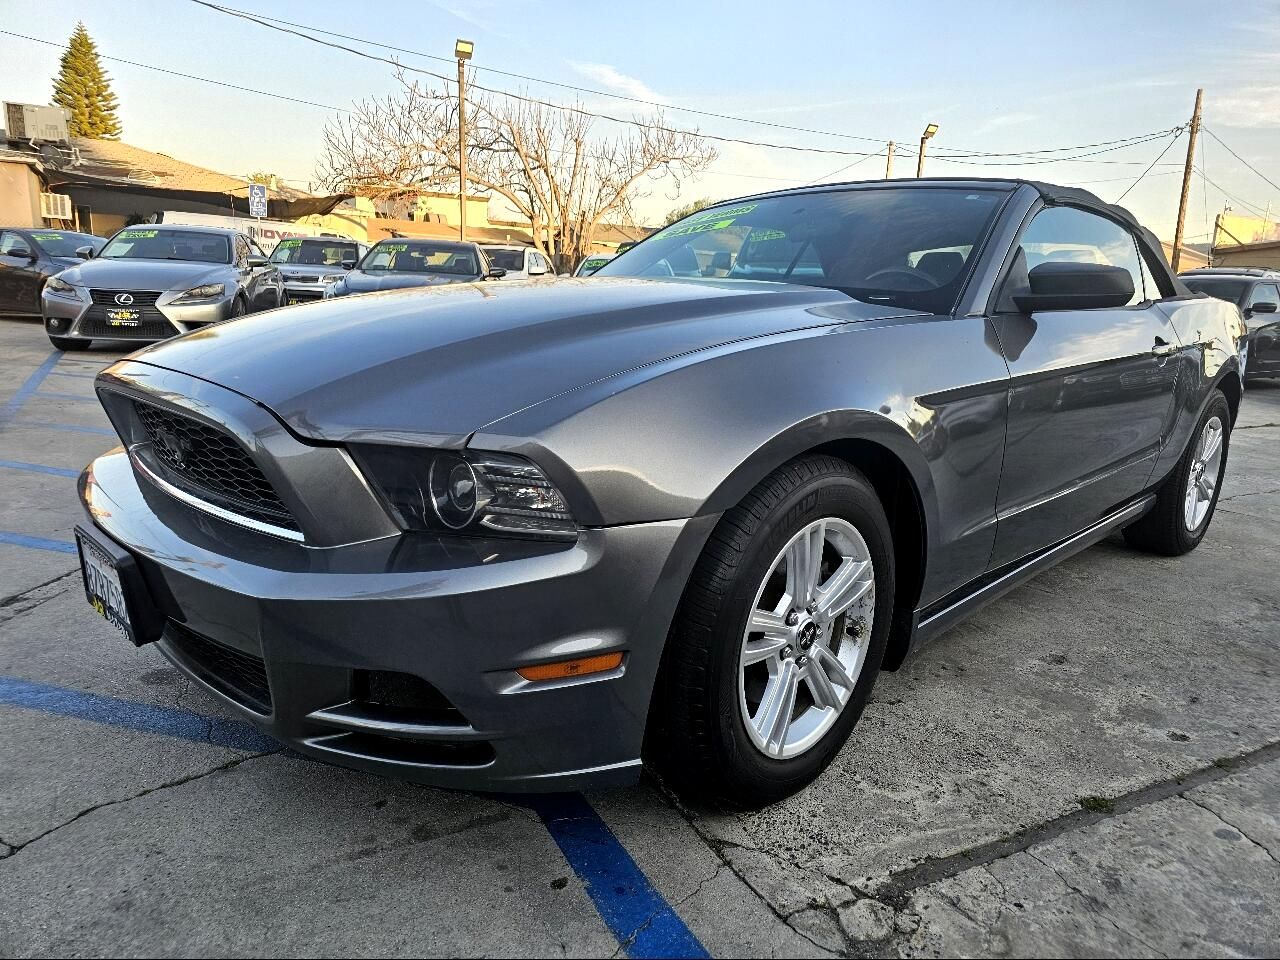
(238, 308)
(779, 637)
(1186, 501)
(69, 344)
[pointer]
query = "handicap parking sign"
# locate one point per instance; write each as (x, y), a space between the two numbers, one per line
(257, 200)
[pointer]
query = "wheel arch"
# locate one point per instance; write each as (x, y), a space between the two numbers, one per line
(896, 467)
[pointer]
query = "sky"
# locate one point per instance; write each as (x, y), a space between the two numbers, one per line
(996, 77)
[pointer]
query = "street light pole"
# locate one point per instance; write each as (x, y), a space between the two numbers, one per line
(462, 49)
(929, 131)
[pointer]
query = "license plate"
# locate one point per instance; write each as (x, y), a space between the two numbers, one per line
(123, 318)
(103, 588)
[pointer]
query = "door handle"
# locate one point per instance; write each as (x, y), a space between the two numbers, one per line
(1163, 349)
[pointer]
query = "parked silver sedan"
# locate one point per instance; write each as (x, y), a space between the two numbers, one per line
(152, 282)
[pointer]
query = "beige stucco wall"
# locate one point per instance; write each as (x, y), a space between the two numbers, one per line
(19, 195)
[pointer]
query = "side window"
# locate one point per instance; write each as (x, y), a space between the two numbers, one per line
(1059, 234)
(255, 249)
(242, 251)
(1265, 293)
(1149, 280)
(13, 245)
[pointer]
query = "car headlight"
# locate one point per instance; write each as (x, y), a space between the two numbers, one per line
(210, 291)
(61, 288)
(332, 277)
(467, 491)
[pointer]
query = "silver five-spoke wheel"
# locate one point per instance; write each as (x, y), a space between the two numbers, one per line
(807, 638)
(1206, 470)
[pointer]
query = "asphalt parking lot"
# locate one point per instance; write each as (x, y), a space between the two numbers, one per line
(1090, 767)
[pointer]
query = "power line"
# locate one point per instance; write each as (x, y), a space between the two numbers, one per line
(1231, 196)
(1241, 159)
(185, 76)
(1172, 140)
(843, 169)
(271, 22)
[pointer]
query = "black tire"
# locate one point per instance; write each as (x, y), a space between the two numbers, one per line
(698, 741)
(238, 307)
(69, 344)
(1163, 530)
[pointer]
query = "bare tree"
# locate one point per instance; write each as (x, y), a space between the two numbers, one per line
(544, 161)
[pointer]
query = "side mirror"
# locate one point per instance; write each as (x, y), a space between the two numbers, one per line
(256, 261)
(1075, 286)
(84, 253)
(497, 273)
(22, 253)
(348, 264)
(1262, 307)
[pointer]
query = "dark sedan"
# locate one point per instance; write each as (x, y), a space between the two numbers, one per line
(30, 257)
(519, 536)
(399, 263)
(1257, 293)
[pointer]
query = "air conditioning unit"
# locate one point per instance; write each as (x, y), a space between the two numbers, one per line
(30, 121)
(55, 206)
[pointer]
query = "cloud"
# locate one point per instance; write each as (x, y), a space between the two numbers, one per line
(614, 80)
(1000, 121)
(1250, 107)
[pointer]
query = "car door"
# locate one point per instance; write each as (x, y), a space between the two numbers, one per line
(20, 275)
(1091, 391)
(1262, 319)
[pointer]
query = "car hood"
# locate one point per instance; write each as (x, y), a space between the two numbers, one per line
(357, 281)
(436, 364)
(146, 274)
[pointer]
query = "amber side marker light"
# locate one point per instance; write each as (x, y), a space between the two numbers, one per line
(566, 669)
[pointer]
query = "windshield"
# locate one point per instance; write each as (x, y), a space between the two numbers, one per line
(411, 256)
(57, 244)
(1233, 291)
(157, 243)
(504, 258)
(319, 253)
(906, 246)
(591, 265)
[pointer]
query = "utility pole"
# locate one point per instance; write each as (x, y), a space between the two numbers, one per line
(929, 131)
(1186, 182)
(888, 162)
(462, 49)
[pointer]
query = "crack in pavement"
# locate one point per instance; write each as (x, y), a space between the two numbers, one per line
(9, 606)
(626, 943)
(1252, 493)
(235, 762)
(1207, 809)
(1091, 903)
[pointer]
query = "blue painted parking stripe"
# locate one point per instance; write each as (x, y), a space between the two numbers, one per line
(38, 468)
(29, 386)
(134, 715)
(627, 902)
(50, 395)
(73, 373)
(37, 543)
(70, 427)
(633, 910)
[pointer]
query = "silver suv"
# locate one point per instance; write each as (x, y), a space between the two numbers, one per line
(308, 264)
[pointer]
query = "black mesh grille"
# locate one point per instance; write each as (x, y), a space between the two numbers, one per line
(210, 463)
(151, 325)
(239, 675)
(139, 298)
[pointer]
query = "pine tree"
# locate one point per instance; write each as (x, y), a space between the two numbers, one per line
(82, 86)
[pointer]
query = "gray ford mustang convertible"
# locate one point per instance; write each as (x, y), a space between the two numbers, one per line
(520, 536)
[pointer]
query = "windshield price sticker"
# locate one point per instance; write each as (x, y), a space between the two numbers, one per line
(48, 236)
(761, 235)
(289, 243)
(394, 247)
(137, 234)
(705, 222)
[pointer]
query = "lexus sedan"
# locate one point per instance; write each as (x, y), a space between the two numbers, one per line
(308, 265)
(398, 263)
(152, 282)
(529, 536)
(28, 258)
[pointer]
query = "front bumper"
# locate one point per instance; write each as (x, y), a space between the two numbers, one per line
(460, 613)
(83, 320)
(297, 291)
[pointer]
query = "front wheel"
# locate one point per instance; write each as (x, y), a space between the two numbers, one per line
(1187, 499)
(779, 637)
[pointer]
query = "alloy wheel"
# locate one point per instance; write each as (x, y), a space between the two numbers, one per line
(807, 638)
(1206, 471)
